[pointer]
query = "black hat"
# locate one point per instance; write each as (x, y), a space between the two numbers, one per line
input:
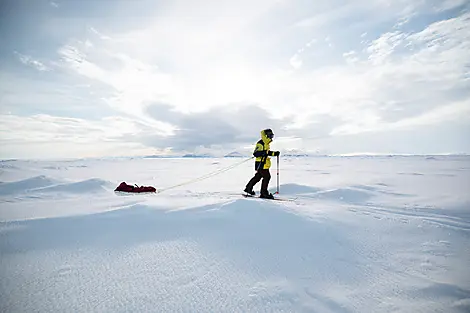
(269, 133)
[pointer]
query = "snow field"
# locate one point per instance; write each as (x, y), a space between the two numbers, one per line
(364, 235)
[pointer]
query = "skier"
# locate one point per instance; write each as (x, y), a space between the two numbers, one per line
(262, 164)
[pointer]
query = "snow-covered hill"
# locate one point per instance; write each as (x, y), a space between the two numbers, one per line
(235, 154)
(363, 235)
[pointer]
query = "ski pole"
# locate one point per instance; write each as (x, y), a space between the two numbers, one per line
(277, 174)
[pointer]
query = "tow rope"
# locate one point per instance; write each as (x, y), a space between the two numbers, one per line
(212, 174)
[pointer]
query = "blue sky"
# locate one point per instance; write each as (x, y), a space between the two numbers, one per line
(108, 78)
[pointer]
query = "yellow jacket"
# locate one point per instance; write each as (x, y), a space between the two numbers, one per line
(262, 152)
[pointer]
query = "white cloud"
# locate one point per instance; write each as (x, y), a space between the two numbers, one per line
(351, 57)
(450, 112)
(445, 5)
(381, 48)
(76, 59)
(310, 43)
(72, 137)
(229, 53)
(296, 61)
(99, 34)
(135, 82)
(402, 77)
(198, 83)
(29, 61)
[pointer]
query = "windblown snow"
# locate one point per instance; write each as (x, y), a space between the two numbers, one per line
(364, 234)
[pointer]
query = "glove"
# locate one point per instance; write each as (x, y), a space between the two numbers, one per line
(276, 153)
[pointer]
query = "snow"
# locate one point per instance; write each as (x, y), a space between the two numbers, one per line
(235, 154)
(365, 234)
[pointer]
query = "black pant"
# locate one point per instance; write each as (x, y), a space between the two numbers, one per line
(265, 175)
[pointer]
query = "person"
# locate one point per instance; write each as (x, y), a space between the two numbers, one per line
(262, 153)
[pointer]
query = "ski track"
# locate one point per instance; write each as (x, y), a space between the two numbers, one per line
(350, 247)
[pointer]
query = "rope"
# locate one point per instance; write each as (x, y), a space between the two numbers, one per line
(215, 173)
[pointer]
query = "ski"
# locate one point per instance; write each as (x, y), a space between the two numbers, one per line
(275, 199)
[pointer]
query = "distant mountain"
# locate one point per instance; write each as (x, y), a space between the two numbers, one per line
(192, 155)
(234, 154)
(295, 153)
(158, 156)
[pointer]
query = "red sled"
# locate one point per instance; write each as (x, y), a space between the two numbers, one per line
(129, 188)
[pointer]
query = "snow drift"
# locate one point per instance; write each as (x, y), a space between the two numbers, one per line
(25, 185)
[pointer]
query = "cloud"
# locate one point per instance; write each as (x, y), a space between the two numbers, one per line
(410, 74)
(381, 49)
(385, 83)
(53, 136)
(296, 61)
(29, 61)
(230, 127)
(134, 82)
(450, 112)
(445, 5)
(440, 138)
(227, 128)
(99, 34)
(350, 57)
(322, 72)
(46, 128)
(197, 83)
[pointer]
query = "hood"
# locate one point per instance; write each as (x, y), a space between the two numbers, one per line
(265, 139)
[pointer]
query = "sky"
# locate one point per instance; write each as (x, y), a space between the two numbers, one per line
(141, 77)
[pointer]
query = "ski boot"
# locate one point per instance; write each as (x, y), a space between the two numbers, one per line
(250, 192)
(266, 195)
